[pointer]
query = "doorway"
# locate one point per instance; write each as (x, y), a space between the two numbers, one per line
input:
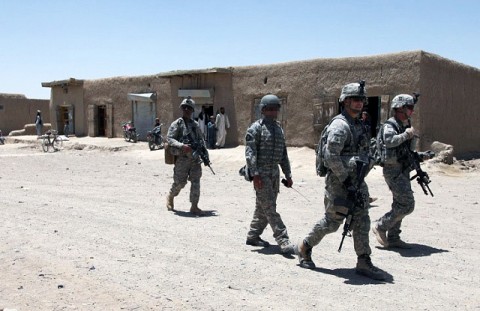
(101, 120)
(65, 123)
(373, 109)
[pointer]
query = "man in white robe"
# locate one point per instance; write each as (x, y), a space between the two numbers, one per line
(222, 124)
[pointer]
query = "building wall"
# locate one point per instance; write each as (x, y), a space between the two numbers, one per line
(19, 111)
(449, 104)
(68, 96)
(309, 84)
(114, 91)
(311, 90)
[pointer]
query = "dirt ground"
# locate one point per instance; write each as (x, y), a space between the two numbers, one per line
(86, 228)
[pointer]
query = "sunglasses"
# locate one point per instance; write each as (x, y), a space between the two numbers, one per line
(272, 108)
(409, 107)
(187, 108)
(358, 98)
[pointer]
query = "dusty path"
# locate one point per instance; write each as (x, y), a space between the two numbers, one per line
(86, 229)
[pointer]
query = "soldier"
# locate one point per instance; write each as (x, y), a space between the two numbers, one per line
(265, 149)
(346, 143)
(182, 133)
(397, 131)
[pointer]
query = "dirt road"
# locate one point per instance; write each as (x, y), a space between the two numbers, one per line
(86, 228)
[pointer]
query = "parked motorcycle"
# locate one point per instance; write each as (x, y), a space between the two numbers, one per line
(155, 138)
(129, 132)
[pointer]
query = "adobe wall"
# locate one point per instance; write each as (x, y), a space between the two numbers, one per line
(19, 110)
(115, 90)
(449, 104)
(68, 96)
(318, 82)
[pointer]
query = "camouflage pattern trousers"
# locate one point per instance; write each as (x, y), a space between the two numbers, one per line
(185, 170)
(266, 210)
(335, 215)
(403, 201)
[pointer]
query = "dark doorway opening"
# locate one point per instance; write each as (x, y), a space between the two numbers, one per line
(373, 110)
(101, 121)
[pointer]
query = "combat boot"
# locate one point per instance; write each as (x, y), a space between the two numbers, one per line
(170, 205)
(366, 268)
(304, 253)
(257, 242)
(399, 244)
(196, 210)
(381, 235)
(286, 247)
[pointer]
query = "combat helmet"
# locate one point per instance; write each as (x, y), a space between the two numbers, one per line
(403, 100)
(269, 100)
(188, 102)
(356, 89)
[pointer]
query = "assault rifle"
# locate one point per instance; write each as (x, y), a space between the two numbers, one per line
(354, 199)
(413, 161)
(199, 153)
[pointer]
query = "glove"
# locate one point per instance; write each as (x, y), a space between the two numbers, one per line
(348, 184)
(410, 132)
(287, 182)
(427, 155)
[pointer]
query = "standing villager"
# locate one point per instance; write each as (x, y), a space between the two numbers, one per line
(39, 123)
(395, 133)
(183, 134)
(66, 128)
(211, 133)
(222, 124)
(202, 122)
(346, 146)
(265, 150)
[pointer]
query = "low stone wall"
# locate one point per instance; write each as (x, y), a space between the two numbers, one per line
(29, 129)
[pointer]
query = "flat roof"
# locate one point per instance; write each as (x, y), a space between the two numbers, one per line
(194, 71)
(68, 82)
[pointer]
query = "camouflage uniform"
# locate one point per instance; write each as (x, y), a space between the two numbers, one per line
(341, 151)
(186, 167)
(398, 180)
(265, 150)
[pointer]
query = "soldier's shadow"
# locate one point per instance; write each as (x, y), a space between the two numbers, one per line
(206, 213)
(352, 278)
(272, 250)
(417, 250)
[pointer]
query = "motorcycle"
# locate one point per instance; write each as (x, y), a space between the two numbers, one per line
(155, 138)
(129, 132)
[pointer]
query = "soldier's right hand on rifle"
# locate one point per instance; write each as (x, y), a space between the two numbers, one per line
(186, 148)
(351, 190)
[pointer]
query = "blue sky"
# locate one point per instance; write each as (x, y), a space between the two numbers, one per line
(42, 41)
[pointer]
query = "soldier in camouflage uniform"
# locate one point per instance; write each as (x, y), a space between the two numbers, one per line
(397, 131)
(265, 150)
(181, 134)
(346, 143)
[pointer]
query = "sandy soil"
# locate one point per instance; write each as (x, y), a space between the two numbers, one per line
(86, 228)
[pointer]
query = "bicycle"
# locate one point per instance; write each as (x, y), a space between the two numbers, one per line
(51, 140)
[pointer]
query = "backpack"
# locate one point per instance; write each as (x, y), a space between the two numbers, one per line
(320, 151)
(378, 149)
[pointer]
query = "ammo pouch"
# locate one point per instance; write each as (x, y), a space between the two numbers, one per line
(169, 156)
(245, 172)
